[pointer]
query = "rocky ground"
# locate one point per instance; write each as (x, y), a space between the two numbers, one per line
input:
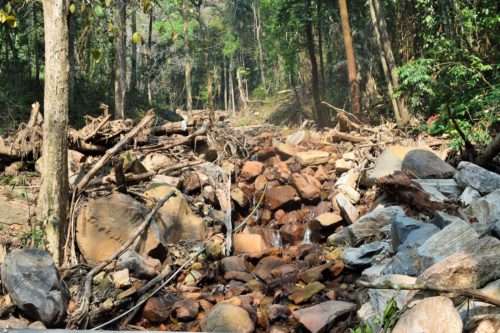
(257, 229)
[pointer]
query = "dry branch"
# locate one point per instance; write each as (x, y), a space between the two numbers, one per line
(96, 130)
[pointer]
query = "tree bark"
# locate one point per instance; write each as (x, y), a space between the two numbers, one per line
(225, 85)
(487, 155)
(321, 116)
(36, 46)
(133, 56)
(71, 57)
(385, 68)
(320, 47)
(241, 89)
(148, 57)
(52, 200)
(187, 60)
(231, 85)
(258, 31)
(206, 57)
(120, 70)
(391, 63)
(351, 62)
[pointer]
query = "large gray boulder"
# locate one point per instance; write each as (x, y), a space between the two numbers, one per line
(30, 276)
(362, 256)
(476, 177)
(407, 232)
(426, 164)
(487, 209)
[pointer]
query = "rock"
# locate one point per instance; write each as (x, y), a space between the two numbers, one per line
(253, 244)
(296, 138)
(303, 294)
(487, 209)
(265, 153)
(431, 315)
(339, 239)
(313, 274)
(167, 180)
(138, 265)
(233, 264)
(321, 174)
(251, 169)
(405, 262)
(376, 270)
(186, 309)
(426, 164)
(349, 178)
(342, 165)
(30, 276)
(121, 278)
(320, 317)
(208, 193)
(14, 210)
(448, 187)
(156, 310)
(307, 186)
(280, 196)
(347, 210)
(227, 317)
(469, 195)
(486, 324)
(380, 297)
(351, 194)
(469, 267)
(312, 157)
(350, 156)
(266, 265)
(284, 149)
(324, 225)
(37, 325)
(108, 222)
(454, 237)
(14, 323)
(239, 197)
(156, 161)
(389, 161)
(408, 233)
(362, 256)
(370, 224)
(178, 222)
(441, 219)
(480, 179)
(276, 311)
(131, 163)
(260, 183)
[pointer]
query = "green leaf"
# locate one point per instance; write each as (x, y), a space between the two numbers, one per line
(136, 38)
(11, 21)
(95, 54)
(72, 8)
(99, 11)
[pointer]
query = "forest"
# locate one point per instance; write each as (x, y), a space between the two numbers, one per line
(250, 165)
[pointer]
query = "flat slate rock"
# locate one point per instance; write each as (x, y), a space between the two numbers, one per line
(476, 177)
(321, 316)
(362, 256)
(426, 164)
(30, 276)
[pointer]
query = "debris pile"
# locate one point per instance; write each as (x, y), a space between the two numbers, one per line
(196, 227)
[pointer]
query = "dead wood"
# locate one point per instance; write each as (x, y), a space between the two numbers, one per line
(163, 146)
(98, 127)
(487, 155)
(82, 311)
(340, 136)
(36, 118)
(120, 176)
(171, 128)
(110, 152)
(430, 287)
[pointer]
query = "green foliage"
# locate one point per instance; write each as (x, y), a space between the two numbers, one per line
(386, 323)
(33, 238)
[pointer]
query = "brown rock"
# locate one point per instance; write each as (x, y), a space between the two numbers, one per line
(307, 186)
(226, 317)
(312, 157)
(251, 169)
(252, 244)
(239, 276)
(321, 174)
(276, 311)
(233, 263)
(292, 233)
(342, 165)
(283, 172)
(320, 317)
(265, 153)
(284, 149)
(266, 265)
(303, 294)
(324, 225)
(260, 183)
(186, 309)
(430, 315)
(156, 310)
(239, 197)
(313, 274)
(279, 196)
(347, 210)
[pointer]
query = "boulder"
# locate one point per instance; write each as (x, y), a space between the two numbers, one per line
(380, 297)
(253, 244)
(487, 209)
(13, 210)
(469, 268)
(227, 317)
(176, 219)
(468, 196)
(307, 186)
(251, 169)
(407, 232)
(322, 316)
(106, 223)
(480, 179)
(139, 266)
(360, 257)
(454, 237)
(303, 294)
(431, 315)
(312, 157)
(426, 164)
(31, 278)
(370, 224)
(280, 196)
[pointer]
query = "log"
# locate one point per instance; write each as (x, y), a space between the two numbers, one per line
(341, 136)
(96, 130)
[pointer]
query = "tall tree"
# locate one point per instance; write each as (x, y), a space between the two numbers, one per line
(148, 57)
(133, 55)
(319, 113)
(187, 57)
(52, 200)
(351, 62)
(258, 32)
(389, 56)
(120, 56)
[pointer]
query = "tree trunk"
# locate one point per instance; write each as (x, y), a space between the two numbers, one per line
(391, 63)
(385, 68)
(320, 47)
(258, 31)
(241, 89)
(487, 155)
(71, 58)
(351, 62)
(225, 85)
(208, 74)
(321, 116)
(52, 200)
(133, 57)
(187, 60)
(148, 58)
(36, 45)
(231, 85)
(120, 56)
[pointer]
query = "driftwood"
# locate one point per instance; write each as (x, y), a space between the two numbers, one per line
(110, 152)
(341, 136)
(171, 128)
(82, 311)
(430, 287)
